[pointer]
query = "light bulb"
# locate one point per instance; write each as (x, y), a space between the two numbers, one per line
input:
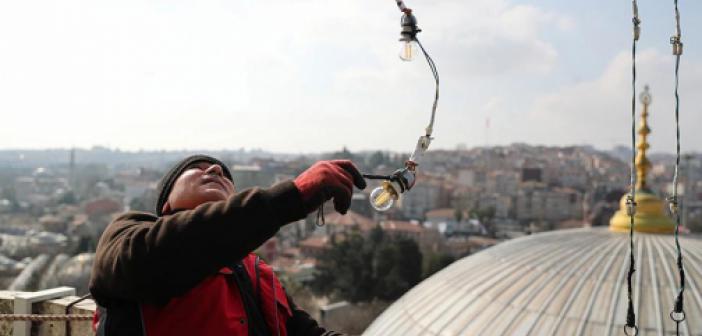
(408, 50)
(383, 197)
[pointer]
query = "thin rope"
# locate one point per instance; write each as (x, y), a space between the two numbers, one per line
(678, 313)
(320, 221)
(631, 199)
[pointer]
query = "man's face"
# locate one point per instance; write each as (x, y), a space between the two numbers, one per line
(201, 183)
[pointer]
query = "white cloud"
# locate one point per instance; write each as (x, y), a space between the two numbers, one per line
(599, 111)
(284, 75)
(490, 38)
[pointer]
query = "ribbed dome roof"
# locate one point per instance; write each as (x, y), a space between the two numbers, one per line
(570, 282)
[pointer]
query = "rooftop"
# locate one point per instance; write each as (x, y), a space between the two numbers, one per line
(569, 282)
(350, 219)
(393, 225)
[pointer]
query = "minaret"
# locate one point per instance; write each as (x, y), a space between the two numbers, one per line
(72, 169)
(650, 216)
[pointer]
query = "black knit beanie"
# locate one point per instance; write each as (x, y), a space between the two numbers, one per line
(166, 184)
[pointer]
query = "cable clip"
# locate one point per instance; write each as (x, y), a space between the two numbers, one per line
(677, 316)
(677, 45)
(673, 205)
(675, 39)
(636, 21)
(630, 205)
(637, 28)
(631, 330)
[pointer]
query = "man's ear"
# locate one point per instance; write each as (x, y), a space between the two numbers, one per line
(166, 208)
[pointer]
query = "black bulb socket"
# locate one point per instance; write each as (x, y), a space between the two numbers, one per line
(409, 27)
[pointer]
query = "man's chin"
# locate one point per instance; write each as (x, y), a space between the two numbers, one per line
(214, 194)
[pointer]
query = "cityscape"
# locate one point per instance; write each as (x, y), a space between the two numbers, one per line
(244, 168)
(55, 204)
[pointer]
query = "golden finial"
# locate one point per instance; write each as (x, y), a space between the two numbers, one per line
(649, 216)
(642, 163)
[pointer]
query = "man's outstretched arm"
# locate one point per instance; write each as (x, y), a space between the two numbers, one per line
(141, 257)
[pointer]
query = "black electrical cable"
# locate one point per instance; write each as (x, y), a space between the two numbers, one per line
(435, 72)
(376, 177)
(631, 200)
(631, 316)
(678, 313)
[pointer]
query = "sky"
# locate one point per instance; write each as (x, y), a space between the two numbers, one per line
(314, 75)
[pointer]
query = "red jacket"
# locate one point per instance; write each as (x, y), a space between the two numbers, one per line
(216, 299)
(215, 306)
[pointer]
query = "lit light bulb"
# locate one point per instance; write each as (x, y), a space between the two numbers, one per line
(408, 50)
(383, 197)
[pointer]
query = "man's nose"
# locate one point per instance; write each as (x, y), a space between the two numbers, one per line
(215, 169)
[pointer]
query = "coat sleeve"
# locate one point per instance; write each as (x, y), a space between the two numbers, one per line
(141, 257)
(301, 323)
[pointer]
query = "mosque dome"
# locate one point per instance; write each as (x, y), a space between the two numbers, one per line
(569, 282)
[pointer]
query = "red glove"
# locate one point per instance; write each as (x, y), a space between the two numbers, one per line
(329, 179)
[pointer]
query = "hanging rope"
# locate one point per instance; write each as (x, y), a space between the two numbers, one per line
(320, 221)
(631, 198)
(678, 313)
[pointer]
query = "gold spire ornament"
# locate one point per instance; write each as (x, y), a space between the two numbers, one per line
(650, 216)
(643, 165)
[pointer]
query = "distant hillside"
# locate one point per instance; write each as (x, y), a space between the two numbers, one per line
(117, 158)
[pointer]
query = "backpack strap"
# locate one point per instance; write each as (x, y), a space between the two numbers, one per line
(257, 323)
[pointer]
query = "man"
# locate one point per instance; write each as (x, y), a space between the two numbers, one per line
(189, 270)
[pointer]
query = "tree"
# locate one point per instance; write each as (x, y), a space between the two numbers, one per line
(68, 197)
(485, 216)
(361, 269)
(458, 214)
(138, 204)
(344, 154)
(376, 159)
(436, 262)
(344, 271)
(401, 269)
(9, 193)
